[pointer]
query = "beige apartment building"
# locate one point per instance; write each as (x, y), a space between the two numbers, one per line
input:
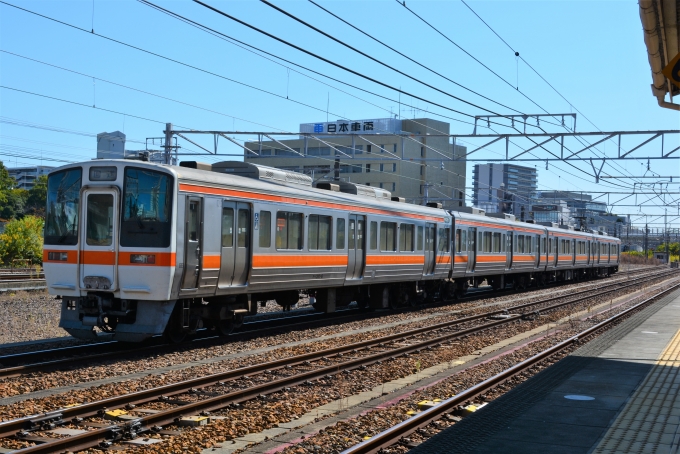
(403, 157)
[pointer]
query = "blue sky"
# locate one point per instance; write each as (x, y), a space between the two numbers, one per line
(592, 52)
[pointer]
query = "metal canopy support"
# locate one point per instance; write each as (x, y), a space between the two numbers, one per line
(596, 172)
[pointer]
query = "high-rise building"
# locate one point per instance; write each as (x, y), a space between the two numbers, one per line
(404, 157)
(26, 176)
(504, 188)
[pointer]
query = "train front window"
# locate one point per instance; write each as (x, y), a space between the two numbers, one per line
(147, 208)
(63, 204)
(99, 219)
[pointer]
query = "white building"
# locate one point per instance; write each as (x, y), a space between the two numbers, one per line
(26, 176)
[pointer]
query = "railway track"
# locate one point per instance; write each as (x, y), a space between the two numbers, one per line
(21, 276)
(18, 364)
(226, 389)
(393, 435)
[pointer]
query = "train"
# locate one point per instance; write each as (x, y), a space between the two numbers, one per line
(140, 249)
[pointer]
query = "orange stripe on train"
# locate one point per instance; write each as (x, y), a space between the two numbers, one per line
(295, 201)
(395, 260)
(282, 261)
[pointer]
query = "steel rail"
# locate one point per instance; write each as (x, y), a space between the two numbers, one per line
(117, 431)
(42, 361)
(392, 435)
(118, 349)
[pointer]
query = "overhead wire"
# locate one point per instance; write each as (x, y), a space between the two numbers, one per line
(538, 74)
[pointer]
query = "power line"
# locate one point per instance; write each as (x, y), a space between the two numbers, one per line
(539, 75)
(243, 45)
(330, 62)
(409, 58)
(380, 62)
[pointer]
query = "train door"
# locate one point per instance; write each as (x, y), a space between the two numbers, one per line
(508, 249)
(235, 247)
(356, 244)
(555, 250)
(430, 248)
(193, 237)
(472, 249)
(99, 245)
(588, 252)
(537, 250)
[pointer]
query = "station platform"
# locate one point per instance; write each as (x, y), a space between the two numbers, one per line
(617, 394)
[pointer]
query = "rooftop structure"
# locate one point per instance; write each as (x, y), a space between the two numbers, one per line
(395, 155)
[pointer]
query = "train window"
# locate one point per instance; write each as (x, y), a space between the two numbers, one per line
(444, 240)
(463, 240)
(487, 242)
(319, 233)
(193, 218)
(374, 235)
(543, 245)
(63, 202)
(503, 243)
(420, 238)
(520, 243)
(406, 240)
(243, 228)
(480, 242)
(265, 228)
(388, 236)
(497, 242)
(227, 227)
(340, 233)
(147, 208)
(99, 219)
(288, 230)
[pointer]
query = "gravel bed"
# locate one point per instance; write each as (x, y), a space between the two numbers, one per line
(45, 380)
(39, 381)
(29, 316)
(257, 415)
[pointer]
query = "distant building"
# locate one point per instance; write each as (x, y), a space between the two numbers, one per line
(578, 209)
(382, 157)
(111, 145)
(504, 188)
(26, 176)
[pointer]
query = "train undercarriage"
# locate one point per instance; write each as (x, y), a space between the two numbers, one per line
(137, 320)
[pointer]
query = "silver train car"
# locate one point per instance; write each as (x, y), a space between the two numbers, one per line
(140, 249)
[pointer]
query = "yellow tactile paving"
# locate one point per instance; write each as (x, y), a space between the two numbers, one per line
(650, 421)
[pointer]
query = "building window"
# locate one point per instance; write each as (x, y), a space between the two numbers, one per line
(381, 185)
(368, 148)
(368, 167)
(422, 152)
(382, 148)
(394, 148)
(382, 167)
(422, 170)
(394, 187)
(394, 167)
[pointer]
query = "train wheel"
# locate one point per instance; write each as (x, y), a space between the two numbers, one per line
(225, 327)
(175, 336)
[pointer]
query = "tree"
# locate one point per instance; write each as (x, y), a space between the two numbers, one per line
(12, 200)
(37, 198)
(22, 240)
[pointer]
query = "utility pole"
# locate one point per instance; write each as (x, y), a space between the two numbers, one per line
(168, 143)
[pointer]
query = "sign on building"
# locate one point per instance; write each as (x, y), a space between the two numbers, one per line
(362, 127)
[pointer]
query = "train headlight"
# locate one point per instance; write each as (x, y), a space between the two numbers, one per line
(143, 258)
(57, 256)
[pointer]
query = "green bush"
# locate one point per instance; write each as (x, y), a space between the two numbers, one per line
(22, 240)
